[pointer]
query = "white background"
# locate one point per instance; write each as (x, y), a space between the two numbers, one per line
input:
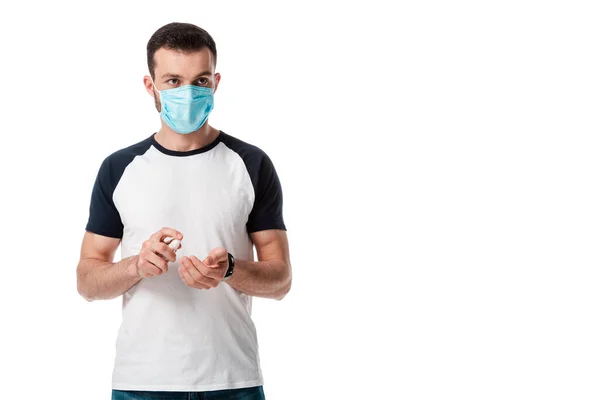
(439, 162)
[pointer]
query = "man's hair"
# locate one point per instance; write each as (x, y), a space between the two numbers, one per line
(179, 36)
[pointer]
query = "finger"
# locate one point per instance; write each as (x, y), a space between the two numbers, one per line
(193, 271)
(185, 276)
(197, 269)
(217, 256)
(145, 274)
(210, 262)
(166, 232)
(180, 272)
(188, 279)
(212, 275)
(163, 250)
(156, 260)
(147, 269)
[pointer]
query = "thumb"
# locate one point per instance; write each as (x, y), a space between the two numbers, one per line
(216, 257)
(210, 261)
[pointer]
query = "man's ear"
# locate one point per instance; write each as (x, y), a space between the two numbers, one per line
(148, 85)
(217, 80)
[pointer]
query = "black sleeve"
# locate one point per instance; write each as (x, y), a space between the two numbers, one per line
(104, 217)
(267, 212)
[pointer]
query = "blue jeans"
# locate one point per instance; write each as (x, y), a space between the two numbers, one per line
(251, 393)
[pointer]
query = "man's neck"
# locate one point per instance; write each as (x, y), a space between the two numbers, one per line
(172, 140)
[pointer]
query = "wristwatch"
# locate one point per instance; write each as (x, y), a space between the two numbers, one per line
(231, 265)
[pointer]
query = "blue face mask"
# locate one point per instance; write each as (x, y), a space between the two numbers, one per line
(185, 109)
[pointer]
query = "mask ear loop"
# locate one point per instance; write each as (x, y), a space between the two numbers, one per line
(155, 88)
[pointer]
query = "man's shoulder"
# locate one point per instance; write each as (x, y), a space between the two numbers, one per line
(119, 159)
(256, 160)
(133, 150)
(243, 148)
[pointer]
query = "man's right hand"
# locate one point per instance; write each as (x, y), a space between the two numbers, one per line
(155, 254)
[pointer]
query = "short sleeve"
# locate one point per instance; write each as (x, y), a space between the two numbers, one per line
(104, 218)
(267, 211)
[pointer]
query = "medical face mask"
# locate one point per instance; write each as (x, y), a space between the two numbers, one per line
(185, 109)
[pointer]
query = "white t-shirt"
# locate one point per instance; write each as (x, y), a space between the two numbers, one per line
(173, 337)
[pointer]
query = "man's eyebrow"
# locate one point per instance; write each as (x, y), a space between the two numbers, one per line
(203, 74)
(169, 75)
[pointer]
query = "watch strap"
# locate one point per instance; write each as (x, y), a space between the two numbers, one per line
(231, 263)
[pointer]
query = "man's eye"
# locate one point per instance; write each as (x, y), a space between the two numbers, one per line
(172, 81)
(203, 81)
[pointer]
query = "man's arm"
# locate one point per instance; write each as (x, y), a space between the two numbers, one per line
(98, 278)
(271, 276)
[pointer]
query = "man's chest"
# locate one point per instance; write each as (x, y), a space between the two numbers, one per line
(196, 195)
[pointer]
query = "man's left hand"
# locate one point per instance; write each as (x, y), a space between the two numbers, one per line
(205, 274)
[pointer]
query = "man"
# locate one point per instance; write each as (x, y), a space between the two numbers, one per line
(186, 331)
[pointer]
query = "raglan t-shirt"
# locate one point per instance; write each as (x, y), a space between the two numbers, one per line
(173, 337)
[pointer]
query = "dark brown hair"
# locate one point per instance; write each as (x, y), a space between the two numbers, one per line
(179, 36)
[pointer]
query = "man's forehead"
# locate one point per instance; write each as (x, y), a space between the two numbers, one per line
(183, 62)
